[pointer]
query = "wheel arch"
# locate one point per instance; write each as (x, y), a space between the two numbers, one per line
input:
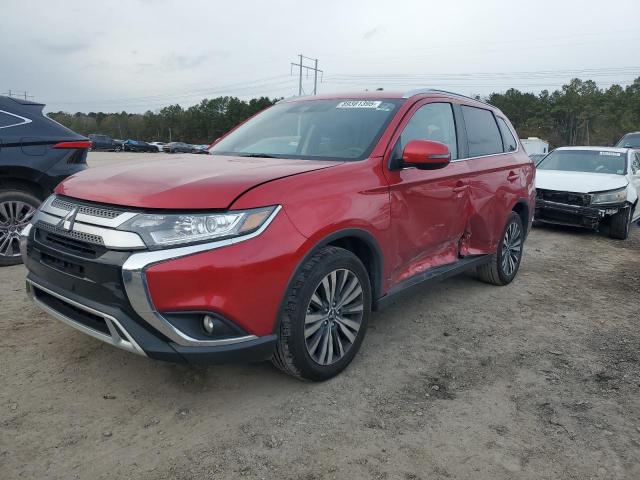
(10, 182)
(521, 207)
(358, 241)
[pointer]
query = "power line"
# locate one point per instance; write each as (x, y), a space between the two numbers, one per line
(213, 89)
(14, 94)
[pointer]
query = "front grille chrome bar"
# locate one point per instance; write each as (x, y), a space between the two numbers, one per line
(97, 230)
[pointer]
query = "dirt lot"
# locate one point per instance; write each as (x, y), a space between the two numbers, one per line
(539, 379)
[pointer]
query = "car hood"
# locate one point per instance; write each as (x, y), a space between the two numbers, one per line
(182, 182)
(578, 182)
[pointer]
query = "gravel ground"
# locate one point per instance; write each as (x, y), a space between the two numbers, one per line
(539, 379)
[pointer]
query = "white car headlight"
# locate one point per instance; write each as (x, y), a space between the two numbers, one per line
(162, 230)
(614, 196)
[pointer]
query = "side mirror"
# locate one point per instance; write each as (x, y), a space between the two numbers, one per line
(426, 155)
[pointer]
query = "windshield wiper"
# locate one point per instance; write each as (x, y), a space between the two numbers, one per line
(257, 155)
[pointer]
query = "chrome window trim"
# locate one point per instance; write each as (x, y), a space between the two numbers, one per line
(127, 343)
(135, 283)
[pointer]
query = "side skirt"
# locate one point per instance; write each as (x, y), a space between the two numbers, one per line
(435, 274)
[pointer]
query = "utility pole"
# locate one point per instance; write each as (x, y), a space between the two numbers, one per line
(307, 68)
(24, 94)
(300, 77)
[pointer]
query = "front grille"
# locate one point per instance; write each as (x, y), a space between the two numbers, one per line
(88, 319)
(63, 265)
(86, 209)
(78, 243)
(568, 198)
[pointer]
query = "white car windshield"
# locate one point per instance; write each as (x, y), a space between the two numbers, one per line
(591, 161)
(312, 129)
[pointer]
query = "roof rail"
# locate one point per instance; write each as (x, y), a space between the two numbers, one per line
(419, 91)
(294, 97)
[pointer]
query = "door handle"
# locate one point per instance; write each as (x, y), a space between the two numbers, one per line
(513, 176)
(460, 187)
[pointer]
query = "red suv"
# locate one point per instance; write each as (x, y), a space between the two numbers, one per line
(280, 243)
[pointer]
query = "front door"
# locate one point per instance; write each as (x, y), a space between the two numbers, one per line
(428, 207)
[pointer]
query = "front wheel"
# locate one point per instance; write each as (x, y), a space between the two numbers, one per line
(325, 316)
(621, 224)
(16, 210)
(505, 263)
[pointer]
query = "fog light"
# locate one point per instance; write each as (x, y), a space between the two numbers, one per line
(208, 323)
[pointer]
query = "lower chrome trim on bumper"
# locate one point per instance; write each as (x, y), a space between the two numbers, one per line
(115, 339)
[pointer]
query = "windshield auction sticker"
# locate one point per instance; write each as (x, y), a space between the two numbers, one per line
(359, 104)
(611, 154)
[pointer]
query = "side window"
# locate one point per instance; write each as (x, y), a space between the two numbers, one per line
(510, 144)
(635, 165)
(482, 131)
(433, 121)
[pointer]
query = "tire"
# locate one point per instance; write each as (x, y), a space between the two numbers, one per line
(497, 271)
(306, 311)
(621, 224)
(16, 209)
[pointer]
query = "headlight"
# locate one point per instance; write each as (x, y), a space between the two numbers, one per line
(614, 196)
(159, 230)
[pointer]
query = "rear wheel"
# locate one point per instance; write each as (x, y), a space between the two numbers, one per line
(621, 224)
(325, 317)
(16, 210)
(505, 263)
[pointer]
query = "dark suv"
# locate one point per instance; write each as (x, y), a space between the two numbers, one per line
(280, 244)
(104, 142)
(36, 153)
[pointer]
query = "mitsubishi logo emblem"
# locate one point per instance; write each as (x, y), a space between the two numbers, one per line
(67, 222)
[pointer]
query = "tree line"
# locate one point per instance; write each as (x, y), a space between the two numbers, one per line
(198, 124)
(578, 114)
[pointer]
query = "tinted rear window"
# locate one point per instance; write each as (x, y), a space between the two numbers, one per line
(482, 131)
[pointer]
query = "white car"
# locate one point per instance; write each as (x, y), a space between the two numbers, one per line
(589, 186)
(158, 145)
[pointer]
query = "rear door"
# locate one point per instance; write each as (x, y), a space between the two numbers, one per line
(428, 207)
(498, 176)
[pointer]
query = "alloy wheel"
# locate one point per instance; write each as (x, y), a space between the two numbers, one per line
(14, 216)
(511, 249)
(334, 316)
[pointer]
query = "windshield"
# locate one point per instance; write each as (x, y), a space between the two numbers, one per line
(630, 140)
(312, 129)
(592, 161)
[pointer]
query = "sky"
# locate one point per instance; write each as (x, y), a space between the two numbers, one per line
(138, 55)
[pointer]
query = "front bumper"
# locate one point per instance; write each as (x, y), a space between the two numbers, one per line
(104, 298)
(573, 215)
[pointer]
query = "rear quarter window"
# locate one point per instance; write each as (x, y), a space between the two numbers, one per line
(482, 132)
(510, 143)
